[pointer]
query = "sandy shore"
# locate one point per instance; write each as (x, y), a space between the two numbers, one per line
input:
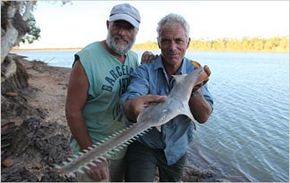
(51, 85)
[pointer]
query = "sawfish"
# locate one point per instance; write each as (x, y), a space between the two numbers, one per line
(176, 103)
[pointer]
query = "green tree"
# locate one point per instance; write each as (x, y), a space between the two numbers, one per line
(33, 34)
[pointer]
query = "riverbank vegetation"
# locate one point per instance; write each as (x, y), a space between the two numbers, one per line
(273, 44)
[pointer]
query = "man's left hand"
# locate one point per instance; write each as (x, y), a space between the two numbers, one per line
(148, 57)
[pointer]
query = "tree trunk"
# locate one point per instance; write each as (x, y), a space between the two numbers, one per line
(8, 41)
(14, 24)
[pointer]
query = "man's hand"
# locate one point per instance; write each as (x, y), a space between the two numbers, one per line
(147, 57)
(203, 79)
(135, 106)
(99, 171)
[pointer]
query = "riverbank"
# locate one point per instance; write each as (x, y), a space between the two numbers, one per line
(275, 44)
(34, 134)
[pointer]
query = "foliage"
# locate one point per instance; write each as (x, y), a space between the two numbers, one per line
(34, 32)
(274, 44)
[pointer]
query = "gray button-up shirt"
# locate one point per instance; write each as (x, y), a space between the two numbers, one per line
(175, 135)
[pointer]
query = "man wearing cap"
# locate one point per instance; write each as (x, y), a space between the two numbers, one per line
(99, 76)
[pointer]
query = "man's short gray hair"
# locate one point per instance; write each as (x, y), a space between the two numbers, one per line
(170, 19)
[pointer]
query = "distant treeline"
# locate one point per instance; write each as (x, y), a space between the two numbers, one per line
(274, 44)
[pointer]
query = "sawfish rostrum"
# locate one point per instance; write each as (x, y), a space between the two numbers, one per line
(154, 115)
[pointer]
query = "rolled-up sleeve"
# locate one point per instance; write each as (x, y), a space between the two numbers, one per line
(207, 95)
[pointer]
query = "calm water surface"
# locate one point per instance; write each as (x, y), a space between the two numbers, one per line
(247, 136)
(248, 133)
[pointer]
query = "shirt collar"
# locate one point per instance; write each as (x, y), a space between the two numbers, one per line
(158, 65)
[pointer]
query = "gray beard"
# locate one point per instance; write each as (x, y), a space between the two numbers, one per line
(121, 50)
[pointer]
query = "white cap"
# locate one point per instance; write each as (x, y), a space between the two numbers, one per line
(126, 12)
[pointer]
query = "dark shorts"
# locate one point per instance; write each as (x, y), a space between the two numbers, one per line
(142, 162)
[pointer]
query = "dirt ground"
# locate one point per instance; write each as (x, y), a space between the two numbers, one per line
(51, 83)
(34, 134)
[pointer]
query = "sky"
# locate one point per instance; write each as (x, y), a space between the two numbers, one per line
(78, 23)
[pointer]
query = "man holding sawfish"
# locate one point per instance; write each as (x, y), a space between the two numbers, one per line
(165, 148)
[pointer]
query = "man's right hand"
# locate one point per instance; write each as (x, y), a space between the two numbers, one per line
(99, 171)
(203, 79)
(135, 106)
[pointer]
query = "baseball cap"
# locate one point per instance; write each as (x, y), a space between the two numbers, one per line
(125, 12)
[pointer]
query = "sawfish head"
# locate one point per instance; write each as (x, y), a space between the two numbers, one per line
(177, 101)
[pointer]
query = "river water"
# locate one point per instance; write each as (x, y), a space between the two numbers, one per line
(247, 136)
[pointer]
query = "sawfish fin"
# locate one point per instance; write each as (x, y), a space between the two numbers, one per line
(187, 112)
(158, 128)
